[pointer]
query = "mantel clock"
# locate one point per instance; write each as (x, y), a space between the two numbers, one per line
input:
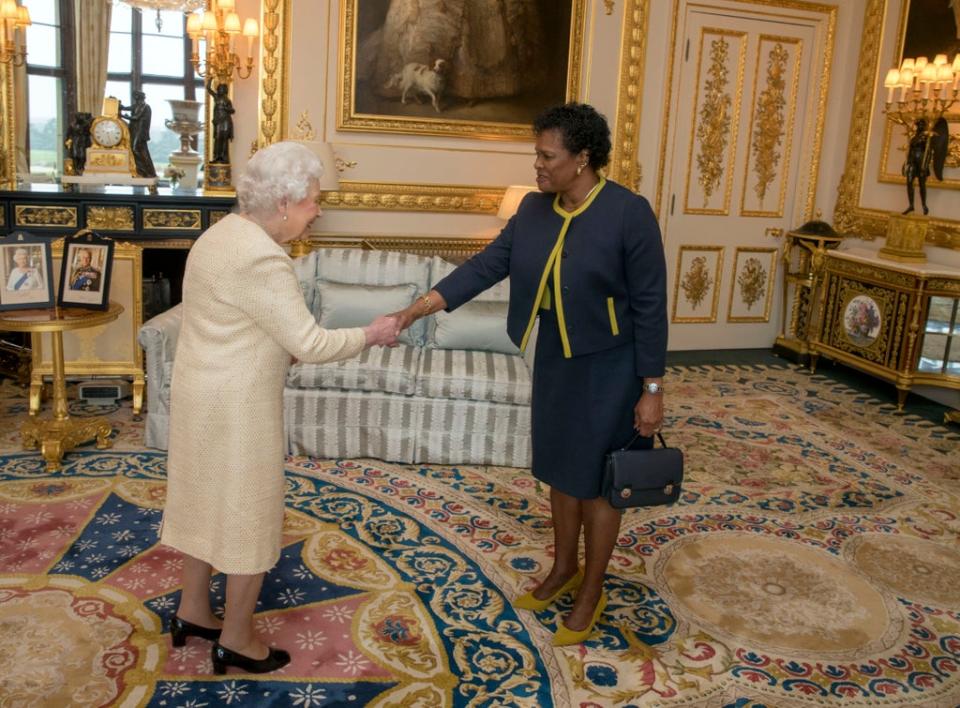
(110, 151)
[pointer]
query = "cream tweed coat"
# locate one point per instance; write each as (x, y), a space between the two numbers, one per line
(243, 318)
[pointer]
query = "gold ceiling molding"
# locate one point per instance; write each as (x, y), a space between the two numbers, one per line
(275, 74)
(461, 199)
(450, 247)
(625, 168)
(830, 11)
(849, 216)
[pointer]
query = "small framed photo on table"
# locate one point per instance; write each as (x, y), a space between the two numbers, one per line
(25, 272)
(85, 271)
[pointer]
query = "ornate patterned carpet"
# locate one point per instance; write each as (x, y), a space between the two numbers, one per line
(813, 560)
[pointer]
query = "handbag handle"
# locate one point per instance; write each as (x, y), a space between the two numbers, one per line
(634, 439)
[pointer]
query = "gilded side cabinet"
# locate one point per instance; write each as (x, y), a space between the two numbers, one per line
(897, 321)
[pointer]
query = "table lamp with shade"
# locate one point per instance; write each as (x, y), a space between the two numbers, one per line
(329, 182)
(511, 200)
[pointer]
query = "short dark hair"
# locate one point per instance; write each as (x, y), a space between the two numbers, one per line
(582, 128)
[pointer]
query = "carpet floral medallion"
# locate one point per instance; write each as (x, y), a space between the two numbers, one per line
(813, 560)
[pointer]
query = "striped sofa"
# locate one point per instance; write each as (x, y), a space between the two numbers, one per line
(414, 403)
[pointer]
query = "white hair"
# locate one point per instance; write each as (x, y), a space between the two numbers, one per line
(278, 172)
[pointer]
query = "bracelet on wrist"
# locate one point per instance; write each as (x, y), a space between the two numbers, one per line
(427, 305)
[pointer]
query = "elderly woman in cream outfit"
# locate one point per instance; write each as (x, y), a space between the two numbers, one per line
(244, 317)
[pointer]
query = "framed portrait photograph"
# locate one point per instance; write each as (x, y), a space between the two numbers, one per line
(85, 271)
(25, 271)
(457, 68)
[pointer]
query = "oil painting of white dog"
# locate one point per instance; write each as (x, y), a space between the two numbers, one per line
(458, 66)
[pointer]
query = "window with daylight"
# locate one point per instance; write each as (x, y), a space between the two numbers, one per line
(49, 93)
(148, 52)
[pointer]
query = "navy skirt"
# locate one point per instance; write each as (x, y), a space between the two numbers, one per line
(582, 409)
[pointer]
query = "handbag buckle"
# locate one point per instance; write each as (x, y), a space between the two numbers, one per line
(625, 493)
(668, 490)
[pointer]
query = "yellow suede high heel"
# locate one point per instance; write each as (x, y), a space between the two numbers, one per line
(566, 636)
(527, 601)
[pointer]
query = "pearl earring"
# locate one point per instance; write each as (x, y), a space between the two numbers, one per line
(284, 217)
(579, 169)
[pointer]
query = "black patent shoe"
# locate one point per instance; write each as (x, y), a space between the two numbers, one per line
(223, 657)
(181, 629)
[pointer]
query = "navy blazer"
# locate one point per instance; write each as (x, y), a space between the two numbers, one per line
(607, 259)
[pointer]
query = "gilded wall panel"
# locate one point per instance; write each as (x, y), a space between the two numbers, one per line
(774, 109)
(713, 139)
(752, 286)
(696, 289)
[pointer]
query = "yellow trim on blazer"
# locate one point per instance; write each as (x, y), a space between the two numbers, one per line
(546, 302)
(613, 317)
(553, 263)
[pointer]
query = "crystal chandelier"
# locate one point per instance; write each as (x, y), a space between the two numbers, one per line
(183, 6)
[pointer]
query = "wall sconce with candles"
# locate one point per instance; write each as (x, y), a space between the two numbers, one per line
(13, 34)
(919, 92)
(512, 197)
(219, 26)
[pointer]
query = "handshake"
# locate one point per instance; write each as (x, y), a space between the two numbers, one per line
(385, 329)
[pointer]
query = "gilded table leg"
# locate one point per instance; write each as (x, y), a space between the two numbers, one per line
(902, 394)
(56, 436)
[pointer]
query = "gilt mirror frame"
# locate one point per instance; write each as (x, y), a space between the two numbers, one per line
(850, 215)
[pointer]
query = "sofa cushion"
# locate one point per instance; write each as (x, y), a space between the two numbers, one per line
(440, 269)
(473, 375)
(348, 305)
(385, 369)
(360, 267)
(474, 325)
(469, 316)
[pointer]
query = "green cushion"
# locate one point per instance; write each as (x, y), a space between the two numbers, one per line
(348, 305)
(475, 325)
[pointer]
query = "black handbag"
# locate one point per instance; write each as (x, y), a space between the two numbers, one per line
(643, 477)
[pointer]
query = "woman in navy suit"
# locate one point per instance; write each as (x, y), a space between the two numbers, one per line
(585, 256)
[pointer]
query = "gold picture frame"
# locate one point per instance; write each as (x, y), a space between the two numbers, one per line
(697, 283)
(754, 279)
(371, 94)
(849, 215)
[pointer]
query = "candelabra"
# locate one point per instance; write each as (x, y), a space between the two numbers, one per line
(219, 27)
(14, 20)
(926, 90)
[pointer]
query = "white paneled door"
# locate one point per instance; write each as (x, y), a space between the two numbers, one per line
(748, 98)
